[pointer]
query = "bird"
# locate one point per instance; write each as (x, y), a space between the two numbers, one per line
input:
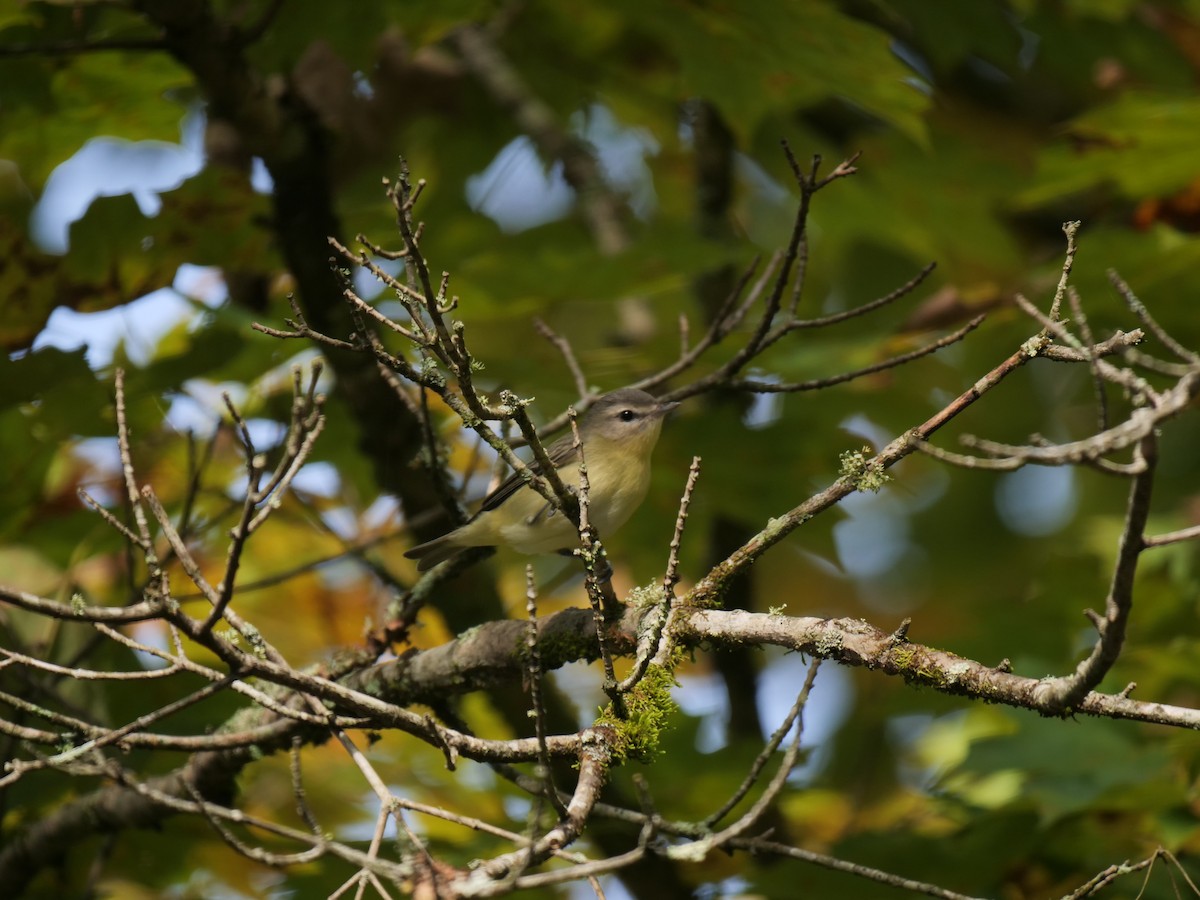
(618, 434)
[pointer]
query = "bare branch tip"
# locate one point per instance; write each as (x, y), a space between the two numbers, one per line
(900, 635)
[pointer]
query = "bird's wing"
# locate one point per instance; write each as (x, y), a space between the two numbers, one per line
(560, 453)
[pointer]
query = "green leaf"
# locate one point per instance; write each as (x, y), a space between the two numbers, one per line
(1090, 765)
(752, 58)
(54, 113)
(118, 254)
(1143, 144)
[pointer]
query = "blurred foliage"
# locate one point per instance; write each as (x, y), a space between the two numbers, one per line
(983, 126)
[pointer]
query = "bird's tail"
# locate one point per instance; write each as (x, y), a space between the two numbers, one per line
(433, 552)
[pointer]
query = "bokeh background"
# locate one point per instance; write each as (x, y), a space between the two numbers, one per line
(151, 214)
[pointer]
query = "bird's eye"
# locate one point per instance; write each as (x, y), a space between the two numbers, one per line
(626, 415)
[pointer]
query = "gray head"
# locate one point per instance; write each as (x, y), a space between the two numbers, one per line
(628, 416)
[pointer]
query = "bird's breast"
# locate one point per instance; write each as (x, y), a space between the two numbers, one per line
(616, 487)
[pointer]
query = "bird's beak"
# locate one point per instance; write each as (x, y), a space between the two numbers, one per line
(665, 409)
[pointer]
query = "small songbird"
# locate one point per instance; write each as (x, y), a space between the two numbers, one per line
(618, 434)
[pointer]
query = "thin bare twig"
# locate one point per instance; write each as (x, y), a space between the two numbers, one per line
(834, 318)
(535, 691)
(599, 574)
(1066, 692)
(775, 387)
(1138, 308)
(765, 755)
(1071, 230)
(568, 354)
(671, 577)
(1172, 537)
(1085, 332)
(144, 543)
